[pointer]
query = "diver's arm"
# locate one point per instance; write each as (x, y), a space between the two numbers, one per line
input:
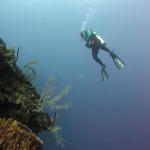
(88, 45)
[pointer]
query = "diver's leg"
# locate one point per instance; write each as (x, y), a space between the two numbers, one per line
(95, 57)
(118, 62)
(104, 73)
(105, 48)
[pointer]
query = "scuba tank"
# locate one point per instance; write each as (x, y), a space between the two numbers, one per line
(100, 39)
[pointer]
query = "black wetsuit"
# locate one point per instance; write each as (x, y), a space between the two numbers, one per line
(95, 49)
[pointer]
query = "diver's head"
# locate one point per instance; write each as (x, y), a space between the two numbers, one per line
(83, 34)
(86, 33)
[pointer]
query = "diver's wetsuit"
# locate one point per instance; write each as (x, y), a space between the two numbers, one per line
(95, 49)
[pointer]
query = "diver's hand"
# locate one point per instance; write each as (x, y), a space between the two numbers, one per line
(87, 45)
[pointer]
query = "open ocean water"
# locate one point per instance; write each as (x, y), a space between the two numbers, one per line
(110, 115)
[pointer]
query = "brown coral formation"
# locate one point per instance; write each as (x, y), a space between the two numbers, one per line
(16, 136)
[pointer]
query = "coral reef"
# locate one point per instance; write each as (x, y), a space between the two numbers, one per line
(20, 101)
(19, 136)
(18, 97)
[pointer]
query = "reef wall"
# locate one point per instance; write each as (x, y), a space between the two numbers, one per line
(18, 101)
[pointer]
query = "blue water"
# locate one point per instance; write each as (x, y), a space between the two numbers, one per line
(110, 115)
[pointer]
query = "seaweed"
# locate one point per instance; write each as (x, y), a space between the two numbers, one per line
(29, 71)
(56, 130)
(11, 58)
(52, 101)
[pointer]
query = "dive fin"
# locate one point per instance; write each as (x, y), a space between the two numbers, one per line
(104, 74)
(118, 61)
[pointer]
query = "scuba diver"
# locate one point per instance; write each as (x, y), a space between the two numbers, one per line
(95, 42)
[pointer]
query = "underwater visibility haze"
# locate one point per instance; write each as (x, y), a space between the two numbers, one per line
(109, 115)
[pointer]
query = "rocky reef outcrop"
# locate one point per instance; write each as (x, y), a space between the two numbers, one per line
(22, 113)
(18, 101)
(18, 97)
